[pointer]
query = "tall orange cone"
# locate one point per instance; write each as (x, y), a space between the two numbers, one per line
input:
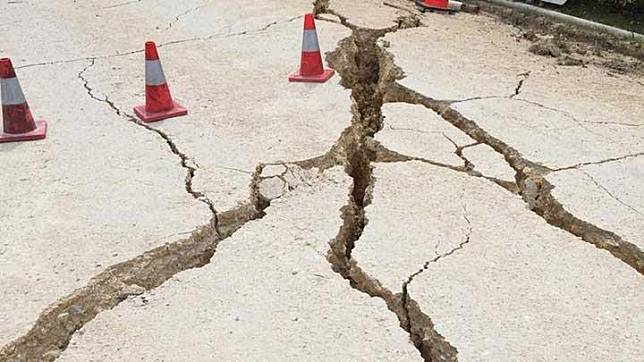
(433, 4)
(311, 67)
(158, 101)
(17, 122)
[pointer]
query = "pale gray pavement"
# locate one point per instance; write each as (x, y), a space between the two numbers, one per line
(505, 284)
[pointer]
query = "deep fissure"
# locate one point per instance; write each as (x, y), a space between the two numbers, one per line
(366, 69)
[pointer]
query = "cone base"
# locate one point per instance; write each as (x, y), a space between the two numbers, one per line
(148, 117)
(431, 7)
(39, 133)
(319, 78)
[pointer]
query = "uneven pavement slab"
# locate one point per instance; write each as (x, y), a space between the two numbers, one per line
(551, 117)
(269, 292)
(496, 280)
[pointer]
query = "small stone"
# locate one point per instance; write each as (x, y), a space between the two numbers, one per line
(132, 289)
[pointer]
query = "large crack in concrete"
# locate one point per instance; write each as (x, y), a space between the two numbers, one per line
(55, 327)
(369, 71)
(530, 178)
(366, 69)
(53, 330)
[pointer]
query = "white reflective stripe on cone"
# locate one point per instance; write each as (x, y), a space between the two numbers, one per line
(310, 41)
(154, 73)
(11, 92)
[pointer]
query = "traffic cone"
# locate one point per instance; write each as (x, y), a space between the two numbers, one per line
(158, 101)
(311, 67)
(17, 121)
(433, 4)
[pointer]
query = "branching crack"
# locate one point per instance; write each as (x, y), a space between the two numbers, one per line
(407, 302)
(55, 327)
(534, 187)
(367, 70)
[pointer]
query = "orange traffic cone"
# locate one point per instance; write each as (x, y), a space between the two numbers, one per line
(433, 4)
(17, 121)
(158, 101)
(311, 67)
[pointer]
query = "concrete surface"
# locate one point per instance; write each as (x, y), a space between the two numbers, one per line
(244, 110)
(606, 195)
(98, 191)
(545, 294)
(495, 279)
(59, 194)
(489, 162)
(417, 132)
(270, 293)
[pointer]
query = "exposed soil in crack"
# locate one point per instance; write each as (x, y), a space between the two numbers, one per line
(367, 70)
(55, 327)
(385, 155)
(414, 311)
(533, 186)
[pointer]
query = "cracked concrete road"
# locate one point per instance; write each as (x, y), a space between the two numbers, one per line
(427, 202)
(270, 286)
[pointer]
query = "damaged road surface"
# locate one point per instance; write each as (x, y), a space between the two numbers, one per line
(426, 203)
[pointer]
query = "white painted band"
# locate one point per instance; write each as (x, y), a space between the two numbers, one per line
(310, 41)
(154, 73)
(11, 92)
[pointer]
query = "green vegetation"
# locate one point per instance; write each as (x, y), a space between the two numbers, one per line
(625, 14)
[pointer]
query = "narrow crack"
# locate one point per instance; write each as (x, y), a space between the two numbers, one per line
(385, 155)
(592, 179)
(186, 12)
(186, 163)
(366, 69)
(522, 78)
(161, 45)
(409, 305)
(534, 188)
(459, 152)
(600, 162)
